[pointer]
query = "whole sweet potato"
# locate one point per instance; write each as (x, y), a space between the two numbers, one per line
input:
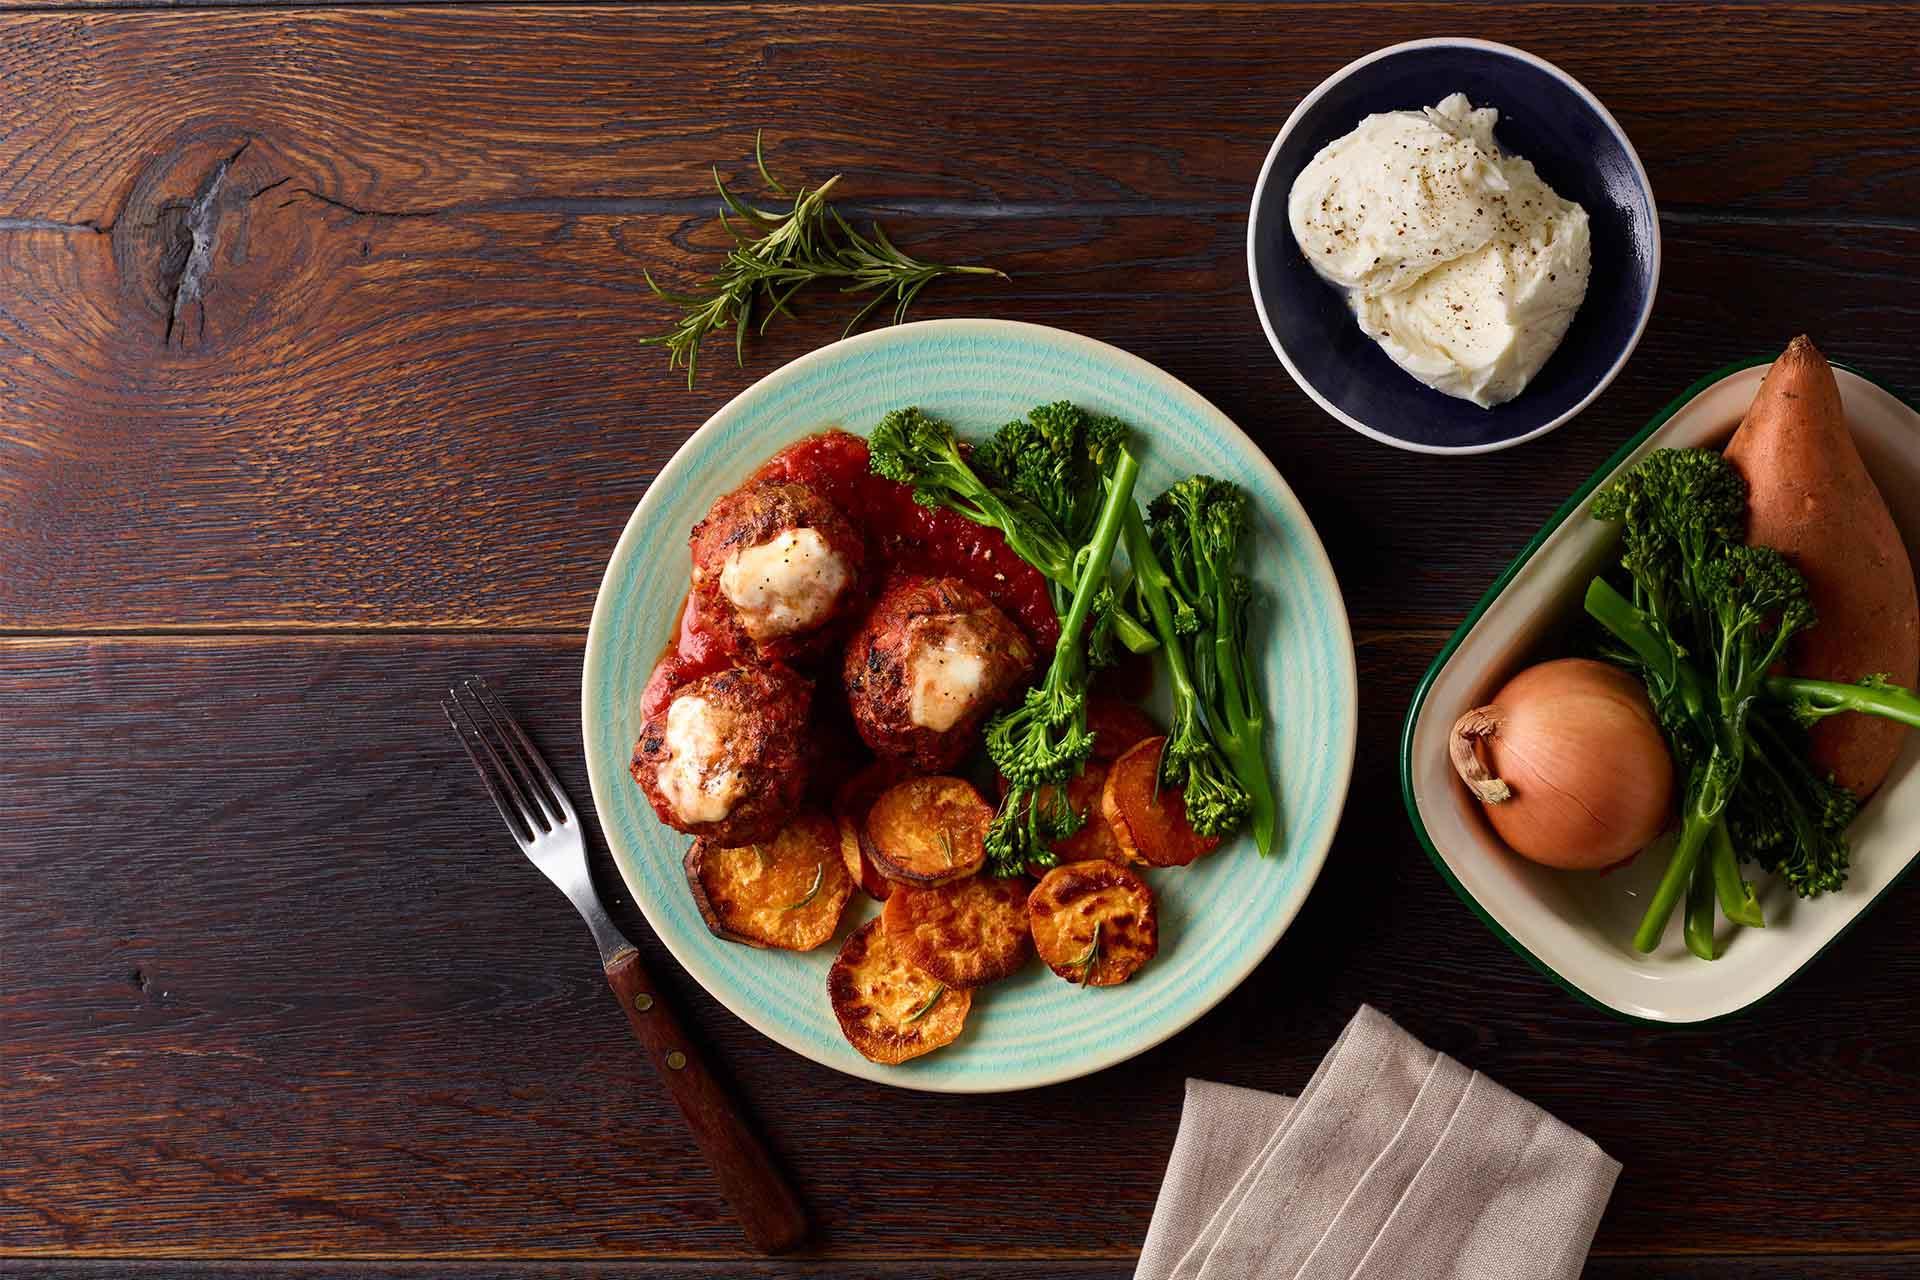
(1811, 498)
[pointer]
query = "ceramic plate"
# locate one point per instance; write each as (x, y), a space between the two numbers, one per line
(1577, 927)
(1219, 918)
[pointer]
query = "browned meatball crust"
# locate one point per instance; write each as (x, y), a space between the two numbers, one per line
(925, 667)
(726, 757)
(777, 567)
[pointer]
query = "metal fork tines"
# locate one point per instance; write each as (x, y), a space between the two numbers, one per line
(531, 801)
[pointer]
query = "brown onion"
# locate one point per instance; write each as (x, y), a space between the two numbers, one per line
(1569, 763)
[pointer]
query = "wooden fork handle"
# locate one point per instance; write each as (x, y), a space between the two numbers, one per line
(769, 1213)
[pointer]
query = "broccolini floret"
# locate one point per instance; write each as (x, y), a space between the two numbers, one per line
(1196, 529)
(1039, 485)
(1041, 744)
(1216, 801)
(1708, 617)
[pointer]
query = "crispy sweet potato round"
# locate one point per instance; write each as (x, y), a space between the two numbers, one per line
(756, 770)
(967, 933)
(1148, 818)
(887, 1009)
(930, 660)
(784, 605)
(852, 802)
(1094, 922)
(786, 893)
(1095, 838)
(928, 831)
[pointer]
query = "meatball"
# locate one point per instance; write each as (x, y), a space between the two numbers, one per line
(775, 566)
(726, 756)
(928, 663)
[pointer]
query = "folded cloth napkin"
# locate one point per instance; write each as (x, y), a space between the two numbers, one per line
(1394, 1163)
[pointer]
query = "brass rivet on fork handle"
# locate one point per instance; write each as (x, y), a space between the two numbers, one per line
(643, 1002)
(676, 1060)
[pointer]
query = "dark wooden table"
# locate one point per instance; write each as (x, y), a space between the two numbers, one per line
(319, 386)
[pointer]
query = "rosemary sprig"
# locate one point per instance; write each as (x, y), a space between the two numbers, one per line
(819, 878)
(775, 254)
(926, 1008)
(946, 846)
(1091, 956)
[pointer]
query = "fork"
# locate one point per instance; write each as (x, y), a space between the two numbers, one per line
(548, 831)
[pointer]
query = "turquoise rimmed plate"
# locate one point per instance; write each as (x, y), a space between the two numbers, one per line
(1218, 918)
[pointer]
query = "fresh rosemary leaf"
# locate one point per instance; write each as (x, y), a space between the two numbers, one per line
(1091, 956)
(778, 252)
(926, 1008)
(813, 891)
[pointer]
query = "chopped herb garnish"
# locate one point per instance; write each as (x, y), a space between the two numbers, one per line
(1091, 956)
(813, 891)
(926, 1008)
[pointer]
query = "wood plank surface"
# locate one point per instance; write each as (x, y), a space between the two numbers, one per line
(270, 959)
(405, 108)
(404, 392)
(444, 422)
(1840, 1266)
(276, 997)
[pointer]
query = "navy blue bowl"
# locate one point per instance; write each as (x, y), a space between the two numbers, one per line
(1547, 117)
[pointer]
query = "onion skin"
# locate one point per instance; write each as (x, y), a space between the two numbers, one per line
(1569, 764)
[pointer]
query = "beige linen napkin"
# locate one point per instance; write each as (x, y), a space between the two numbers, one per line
(1394, 1163)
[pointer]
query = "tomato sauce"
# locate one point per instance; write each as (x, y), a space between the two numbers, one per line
(902, 536)
(907, 536)
(696, 651)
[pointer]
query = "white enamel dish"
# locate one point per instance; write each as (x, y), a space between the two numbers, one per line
(1219, 918)
(1577, 927)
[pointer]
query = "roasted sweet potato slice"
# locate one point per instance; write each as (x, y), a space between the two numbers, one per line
(967, 933)
(929, 831)
(1117, 726)
(1149, 819)
(889, 1010)
(1094, 922)
(1095, 838)
(785, 893)
(851, 804)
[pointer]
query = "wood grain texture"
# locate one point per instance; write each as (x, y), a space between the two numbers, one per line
(444, 422)
(396, 108)
(322, 321)
(270, 961)
(1673, 1267)
(398, 385)
(769, 1213)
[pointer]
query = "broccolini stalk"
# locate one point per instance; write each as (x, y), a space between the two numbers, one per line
(1712, 766)
(1197, 527)
(916, 449)
(1735, 895)
(1215, 801)
(1709, 617)
(1698, 929)
(1877, 695)
(1044, 741)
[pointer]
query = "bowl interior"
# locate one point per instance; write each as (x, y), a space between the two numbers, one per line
(1580, 155)
(1218, 918)
(1577, 926)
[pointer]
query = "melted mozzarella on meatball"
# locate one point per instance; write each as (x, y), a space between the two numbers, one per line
(786, 585)
(945, 679)
(693, 777)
